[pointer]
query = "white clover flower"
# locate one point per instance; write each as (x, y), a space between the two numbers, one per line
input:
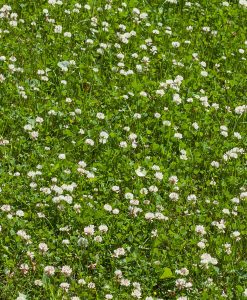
(226, 211)
(38, 282)
(34, 134)
(129, 196)
(89, 142)
(21, 297)
(118, 252)
(243, 3)
(159, 175)
(124, 282)
(245, 293)
(132, 136)
(241, 109)
(192, 197)
(67, 34)
(6, 207)
(141, 172)
(123, 144)
(118, 273)
(200, 229)
(175, 44)
(65, 286)
(204, 73)
(49, 270)
(89, 230)
(107, 207)
(28, 127)
(81, 282)
(215, 164)
(43, 247)
(136, 293)
(178, 135)
(62, 156)
(207, 259)
(65, 242)
(224, 133)
(174, 196)
(137, 116)
(160, 92)
(166, 123)
(236, 235)
(58, 29)
(243, 195)
(157, 115)
(100, 116)
(104, 135)
(237, 135)
(115, 188)
(2, 78)
(183, 271)
(115, 211)
(66, 270)
(103, 228)
(153, 189)
(98, 239)
(201, 245)
(173, 179)
(195, 126)
(149, 216)
(176, 98)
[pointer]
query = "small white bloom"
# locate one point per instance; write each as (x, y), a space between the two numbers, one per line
(61, 156)
(141, 172)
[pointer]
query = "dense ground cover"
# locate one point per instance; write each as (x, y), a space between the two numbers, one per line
(123, 150)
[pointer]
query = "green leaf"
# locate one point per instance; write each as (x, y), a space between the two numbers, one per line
(167, 273)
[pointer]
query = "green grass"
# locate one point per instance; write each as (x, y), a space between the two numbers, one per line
(167, 111)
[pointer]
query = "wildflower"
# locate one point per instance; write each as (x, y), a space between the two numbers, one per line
(215, 164)
(141, 172)
(245, 293)
(89, 230)
(201, 245)
(207, 259)
(66, 270)
(38, 282)
(58, 29)
(204, 73)
(21, 297)
(173, 196)
(24, 268)
(91, 285)
(159, 175)
(103, 228)
(175, 44)
(65, 286)
(61, 156)
(119, 252)
(49, 270)
(100, 116)
(43, 247)
(183, 271)
(200, 229)
(178, 135)
(173, 180)
(107, 207)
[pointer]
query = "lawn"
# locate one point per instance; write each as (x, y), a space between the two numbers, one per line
(123, 134)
